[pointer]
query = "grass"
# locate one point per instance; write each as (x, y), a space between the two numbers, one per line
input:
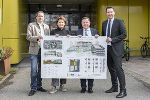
(1, 77)
(12, 71)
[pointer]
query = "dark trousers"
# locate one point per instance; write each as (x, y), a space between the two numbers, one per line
(90, 83)
(115, 68)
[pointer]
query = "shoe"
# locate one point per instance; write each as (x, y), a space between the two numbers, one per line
(121, 94)
(83, 90)
(90, 90)
(112, 89)
(31, 93)
(53, 90)
(41, 89)
(62, 88)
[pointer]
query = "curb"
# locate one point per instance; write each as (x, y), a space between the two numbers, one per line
(5, 78)
(141, 78)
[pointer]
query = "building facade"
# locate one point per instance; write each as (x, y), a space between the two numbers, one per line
(16, 14)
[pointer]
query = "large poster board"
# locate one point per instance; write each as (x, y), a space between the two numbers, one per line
(74, 57)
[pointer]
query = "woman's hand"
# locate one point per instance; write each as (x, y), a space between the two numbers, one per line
(79, 36)
(57, 35)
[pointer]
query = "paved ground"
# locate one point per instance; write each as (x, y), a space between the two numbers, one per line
(139, 68)
(17, 87)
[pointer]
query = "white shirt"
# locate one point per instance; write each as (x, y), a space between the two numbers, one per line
(41, 29)
(41, 33)
(88, 32)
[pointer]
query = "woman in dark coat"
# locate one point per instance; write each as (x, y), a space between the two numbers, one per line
(60, 31)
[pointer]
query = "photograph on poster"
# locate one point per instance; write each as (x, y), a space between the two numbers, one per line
(52, 54)
(52, 44)
(87, 47)
(74, 65)
(52, 61)
(80, 46)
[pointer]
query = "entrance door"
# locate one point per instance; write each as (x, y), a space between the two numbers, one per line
(72, 13)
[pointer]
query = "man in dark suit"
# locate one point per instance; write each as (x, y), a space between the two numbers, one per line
(87, 31)
(115, 31)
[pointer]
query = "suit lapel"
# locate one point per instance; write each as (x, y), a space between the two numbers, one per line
(105, 26)
(113, 25)
(82, 31)
(92, 31)
(39, 31)
(44, 26)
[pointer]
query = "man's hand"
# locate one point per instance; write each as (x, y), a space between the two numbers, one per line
(96, 36)
(108, 40)
(40, 37)
(68, 35)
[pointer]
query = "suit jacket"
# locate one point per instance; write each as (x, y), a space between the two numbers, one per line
(93, 32)
(118, 33)
(33, 31)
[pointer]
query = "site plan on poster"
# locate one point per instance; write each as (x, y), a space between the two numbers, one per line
(74, 57)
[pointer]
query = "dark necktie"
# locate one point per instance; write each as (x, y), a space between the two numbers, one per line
(108, 29)
(86, 32)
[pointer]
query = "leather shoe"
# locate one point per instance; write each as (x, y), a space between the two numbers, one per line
(31, 93)
(90, 90)
(122, 94)
(41, 89)
(83, 90)
(112, 89)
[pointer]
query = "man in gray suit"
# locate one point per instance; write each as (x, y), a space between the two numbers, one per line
(35, 33)
(87, 31)
(115, 31)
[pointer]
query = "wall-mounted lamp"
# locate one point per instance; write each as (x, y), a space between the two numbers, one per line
(59, 6)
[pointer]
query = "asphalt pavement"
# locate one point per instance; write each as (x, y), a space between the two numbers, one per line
(16, 87)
